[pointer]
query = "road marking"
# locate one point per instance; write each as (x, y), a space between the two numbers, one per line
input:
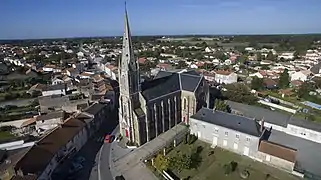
(99, 156)
(100, 153)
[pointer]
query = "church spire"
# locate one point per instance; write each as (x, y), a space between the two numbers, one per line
(128, 60)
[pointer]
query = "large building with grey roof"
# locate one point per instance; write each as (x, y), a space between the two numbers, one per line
(280, 121)
(290, 131)
(150, 108)
(248, 137)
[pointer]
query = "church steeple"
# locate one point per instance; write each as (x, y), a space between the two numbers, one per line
(128, 84)
(128, 60)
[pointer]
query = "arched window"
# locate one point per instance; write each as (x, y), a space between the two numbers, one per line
(185, 103)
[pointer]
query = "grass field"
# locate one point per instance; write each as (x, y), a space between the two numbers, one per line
(211, 166)
(4, 135)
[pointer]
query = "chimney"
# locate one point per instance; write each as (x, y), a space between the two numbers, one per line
(262, 124)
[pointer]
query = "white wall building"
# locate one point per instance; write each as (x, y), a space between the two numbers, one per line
(225, 77)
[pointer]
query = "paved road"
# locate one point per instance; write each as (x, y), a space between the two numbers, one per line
(96, 153)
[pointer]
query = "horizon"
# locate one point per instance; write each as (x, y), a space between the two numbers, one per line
(161, 35)
(80, 19)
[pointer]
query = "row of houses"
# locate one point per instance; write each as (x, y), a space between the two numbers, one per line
(267, 136)
(40, 160)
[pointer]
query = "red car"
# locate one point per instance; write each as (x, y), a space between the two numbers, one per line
(109, 138)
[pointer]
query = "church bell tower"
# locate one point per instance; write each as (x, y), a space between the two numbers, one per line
(128, 76)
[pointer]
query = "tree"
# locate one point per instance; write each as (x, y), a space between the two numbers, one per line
(317, 81)
(239, 93)
(270, 56)
(204, 44)
(181, 161)
(243, 58)
(284, 80)
(305, 89)
(181, 65)
(161, 162)
(257, 83)
(220, 55)
(227, 168)
(259, 56)
(221, 105)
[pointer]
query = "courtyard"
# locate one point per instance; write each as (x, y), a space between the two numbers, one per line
(208, 163)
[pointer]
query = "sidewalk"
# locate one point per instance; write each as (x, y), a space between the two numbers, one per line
(129, 162)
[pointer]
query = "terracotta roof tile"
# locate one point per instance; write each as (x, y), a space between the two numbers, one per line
(277, 150)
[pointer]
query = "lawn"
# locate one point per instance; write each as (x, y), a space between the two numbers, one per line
(5, 135)
(211, 165)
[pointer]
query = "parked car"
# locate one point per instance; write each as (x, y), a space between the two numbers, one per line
(119, 177)
(80, 160)
(75, 168)
(109, 138)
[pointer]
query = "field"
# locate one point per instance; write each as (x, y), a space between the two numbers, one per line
(211, 165)
(5, 135)
(210, 41)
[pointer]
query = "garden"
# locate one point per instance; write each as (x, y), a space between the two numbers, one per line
(194, 159)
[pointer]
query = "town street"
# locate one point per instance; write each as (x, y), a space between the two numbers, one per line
(96, 153)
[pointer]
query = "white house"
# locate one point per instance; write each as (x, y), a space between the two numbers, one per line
(225, 77)
(241, 135)
(300, 75)
(216, 61)
(56, 80)
(57, 89)
(80, 54)
(207, 49)
(286, 55)
(249, 49)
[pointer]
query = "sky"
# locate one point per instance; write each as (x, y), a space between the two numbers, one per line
(29, 19)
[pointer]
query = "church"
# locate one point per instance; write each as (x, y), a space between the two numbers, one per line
(148, 109)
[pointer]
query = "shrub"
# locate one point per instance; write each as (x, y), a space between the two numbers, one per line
(227, 169)
(233, 166)
(192, 139)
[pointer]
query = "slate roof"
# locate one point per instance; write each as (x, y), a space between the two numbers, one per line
(259, 113)
(160, 87)
(166, 82)
(52, 115)
(273, 117)
(308, 154)
(95, 108)
(53, 100)
(316, 126)
(230, 121)
(161, 74)
(54, 87)
(315, 69)
(190, 81)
